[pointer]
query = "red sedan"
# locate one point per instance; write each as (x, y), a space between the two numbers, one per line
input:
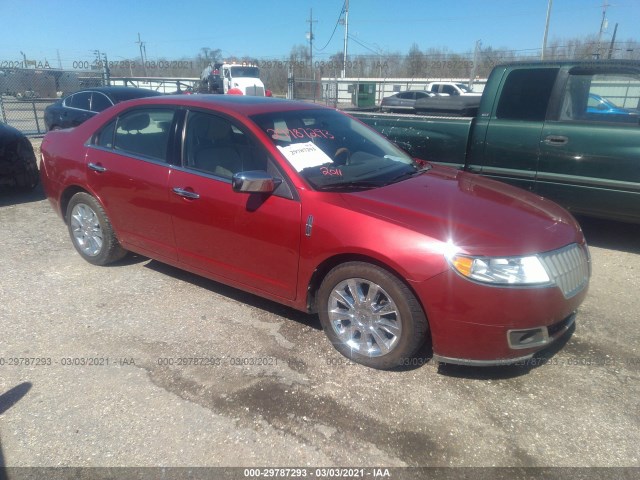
(308, 207)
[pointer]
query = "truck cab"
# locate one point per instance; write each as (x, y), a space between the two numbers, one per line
(535, 129)
(243, 77)
(239, 78)
(451, 89)
(565, 130)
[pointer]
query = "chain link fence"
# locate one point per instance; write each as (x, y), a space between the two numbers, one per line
(25, 93)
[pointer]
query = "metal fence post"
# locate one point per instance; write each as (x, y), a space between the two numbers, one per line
(35, 115)
(4, 115)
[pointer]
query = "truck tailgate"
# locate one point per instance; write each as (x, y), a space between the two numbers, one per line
(436, 139)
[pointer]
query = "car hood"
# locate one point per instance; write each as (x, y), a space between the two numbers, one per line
(478, 215)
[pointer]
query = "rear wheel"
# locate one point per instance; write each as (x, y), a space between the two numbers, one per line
(91, 231)
(371, 316)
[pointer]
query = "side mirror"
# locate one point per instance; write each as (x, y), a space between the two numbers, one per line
(255, 181)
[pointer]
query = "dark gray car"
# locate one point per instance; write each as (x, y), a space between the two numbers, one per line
(403, 101)
(74, 109)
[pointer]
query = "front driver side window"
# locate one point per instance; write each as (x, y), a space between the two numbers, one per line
(214, 145)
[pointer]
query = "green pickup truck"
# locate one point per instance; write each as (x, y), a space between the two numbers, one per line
(569, 131)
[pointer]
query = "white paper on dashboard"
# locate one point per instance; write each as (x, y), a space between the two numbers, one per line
(304, 155)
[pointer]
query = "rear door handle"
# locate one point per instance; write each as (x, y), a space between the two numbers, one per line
(185, 193)
(556, 140)
(97, 167)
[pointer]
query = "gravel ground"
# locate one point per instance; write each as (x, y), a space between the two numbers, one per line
(273, 390)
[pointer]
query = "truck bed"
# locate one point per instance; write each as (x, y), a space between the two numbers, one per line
(434, 138)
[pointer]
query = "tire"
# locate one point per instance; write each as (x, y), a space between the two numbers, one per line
(355, 326)
(91, 232)
(28, 176)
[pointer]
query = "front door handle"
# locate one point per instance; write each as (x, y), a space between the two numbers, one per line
(556, 140)
(186, 193)
(97, 167)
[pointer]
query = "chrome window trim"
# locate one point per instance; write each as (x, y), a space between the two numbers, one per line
(64, 102)
(133, 155)
(99, 93)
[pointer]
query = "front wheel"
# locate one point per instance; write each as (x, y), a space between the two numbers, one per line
(91, 231)
(371, 316)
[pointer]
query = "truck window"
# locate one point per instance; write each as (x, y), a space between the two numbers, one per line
(450, 90)
(602, 98)
(526, 94)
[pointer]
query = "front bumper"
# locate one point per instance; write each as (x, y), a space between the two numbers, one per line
(477, 324)
(550, 334)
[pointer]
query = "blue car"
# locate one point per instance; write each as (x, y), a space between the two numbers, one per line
(601, 105)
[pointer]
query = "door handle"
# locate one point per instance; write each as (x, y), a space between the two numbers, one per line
(97, 167)
(185, 193)
(556, 140)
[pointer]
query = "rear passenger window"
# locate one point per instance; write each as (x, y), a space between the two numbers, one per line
(105, 136)
(526, 93)
(80, 100)
(144, 132)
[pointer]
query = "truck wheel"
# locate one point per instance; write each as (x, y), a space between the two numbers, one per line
(91, 231)
(371, 316)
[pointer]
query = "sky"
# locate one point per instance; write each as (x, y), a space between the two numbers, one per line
(66, 31)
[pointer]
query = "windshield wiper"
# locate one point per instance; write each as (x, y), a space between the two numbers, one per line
(405, 175)
(350, 185)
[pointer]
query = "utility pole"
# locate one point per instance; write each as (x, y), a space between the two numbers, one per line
(101, 63)
(546, 30)
(106, 73)
(143, 48)
(346, 36)
(311, 22)
(476, 59)
(603, 25)
(98, 55)
(613, 41)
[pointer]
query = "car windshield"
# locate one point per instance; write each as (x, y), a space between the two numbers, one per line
(253, 72)
(464, 88)
(333, 151)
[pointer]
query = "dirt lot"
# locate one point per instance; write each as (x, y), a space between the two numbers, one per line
(97, 369)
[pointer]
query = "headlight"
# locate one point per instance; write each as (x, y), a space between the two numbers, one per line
(504, 271)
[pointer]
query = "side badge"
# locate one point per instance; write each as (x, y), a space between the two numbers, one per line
(309, 226)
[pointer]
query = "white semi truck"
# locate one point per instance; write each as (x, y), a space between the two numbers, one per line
(235, 78)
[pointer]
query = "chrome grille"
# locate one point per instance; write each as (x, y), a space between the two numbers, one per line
(568, 268)
(255, 91)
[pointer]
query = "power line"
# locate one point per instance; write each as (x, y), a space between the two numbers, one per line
(334, 28)
(363, 45)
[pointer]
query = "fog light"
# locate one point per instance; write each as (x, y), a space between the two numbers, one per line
(528, 338)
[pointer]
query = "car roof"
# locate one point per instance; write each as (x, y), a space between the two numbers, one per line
(244, 105)
(572, 63)
(120, 93)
